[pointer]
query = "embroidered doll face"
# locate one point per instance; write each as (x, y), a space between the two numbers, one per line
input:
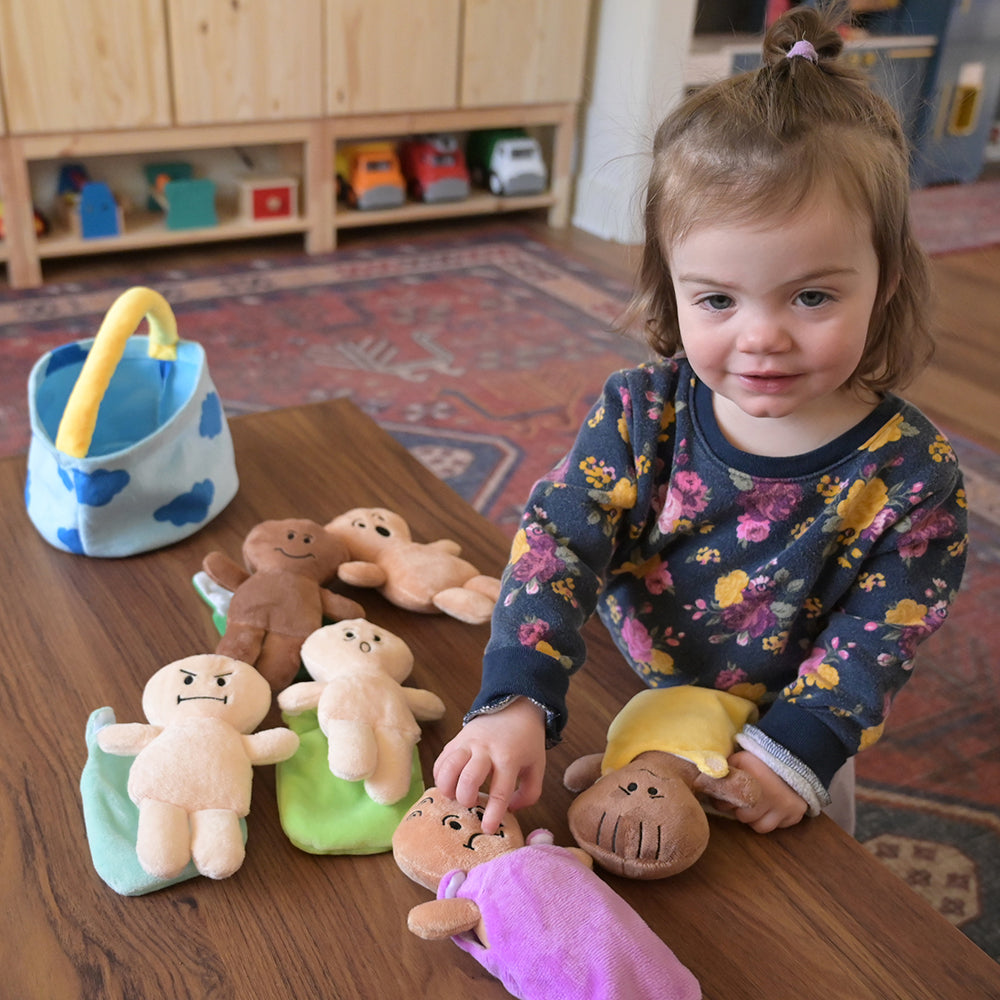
(207, 686)
(438, 835)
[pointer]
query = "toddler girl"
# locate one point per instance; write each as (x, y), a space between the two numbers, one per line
(755, 511)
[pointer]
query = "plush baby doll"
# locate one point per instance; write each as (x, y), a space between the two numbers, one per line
(369, 719)
(427, 577)
(532, 914)
(279, 598)
(193, 768)
(639, 813)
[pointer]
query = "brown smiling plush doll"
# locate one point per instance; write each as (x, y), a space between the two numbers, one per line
(279, 598)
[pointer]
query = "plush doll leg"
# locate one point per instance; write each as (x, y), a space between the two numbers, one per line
(112, 819)
(353, 750)
(163, 838)
(464, 604)
(242, 642)
(323, 814)
(216, 844)
(486, 585)
(279, 659)
(391, 778)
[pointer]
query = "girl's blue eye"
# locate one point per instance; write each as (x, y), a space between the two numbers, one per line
(812, 298)
(717, 301)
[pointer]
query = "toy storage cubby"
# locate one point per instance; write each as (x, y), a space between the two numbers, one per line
(125, 83)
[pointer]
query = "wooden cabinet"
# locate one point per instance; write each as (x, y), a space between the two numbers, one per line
(245, 60)
(395, 55)
(522, 51)
(79, 65)
(117, 85)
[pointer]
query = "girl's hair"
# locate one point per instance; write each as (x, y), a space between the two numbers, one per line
(757, 146)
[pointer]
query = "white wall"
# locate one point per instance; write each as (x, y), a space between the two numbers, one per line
(635, 77)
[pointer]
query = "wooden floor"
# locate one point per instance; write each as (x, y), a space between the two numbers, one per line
(960, 390)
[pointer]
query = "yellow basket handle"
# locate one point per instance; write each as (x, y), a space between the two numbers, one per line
(79, 419)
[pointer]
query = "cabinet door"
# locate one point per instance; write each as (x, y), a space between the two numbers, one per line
(80, 65)
(391, 55)
(245, 60)
(523, 51)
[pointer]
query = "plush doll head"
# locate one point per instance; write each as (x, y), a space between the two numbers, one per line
(438, 835)
(639, 812)
(427, 577)
(355, 647)
(295, 545)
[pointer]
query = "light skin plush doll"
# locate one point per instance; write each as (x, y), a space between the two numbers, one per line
(371, 721)
(532, 914)
(429, 577)
(279, 598)
(193, 769)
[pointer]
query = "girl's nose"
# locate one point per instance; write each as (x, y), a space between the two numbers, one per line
(764, 333)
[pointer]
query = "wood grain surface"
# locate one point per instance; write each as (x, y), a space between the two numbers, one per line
(800, 913)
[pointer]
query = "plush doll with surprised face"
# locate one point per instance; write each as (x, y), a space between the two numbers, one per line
(532, 914)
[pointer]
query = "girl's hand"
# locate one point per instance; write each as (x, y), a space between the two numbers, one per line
(508, 749)
(779, 804)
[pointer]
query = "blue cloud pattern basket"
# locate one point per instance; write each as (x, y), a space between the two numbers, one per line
(130, 449)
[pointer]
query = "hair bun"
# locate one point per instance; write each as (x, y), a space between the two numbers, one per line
(817, 27)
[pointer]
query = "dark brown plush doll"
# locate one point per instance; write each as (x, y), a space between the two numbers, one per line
(279, 599)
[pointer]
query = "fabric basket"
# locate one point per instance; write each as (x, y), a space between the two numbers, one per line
(130, 449)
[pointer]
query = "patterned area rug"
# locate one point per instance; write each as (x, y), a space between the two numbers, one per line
(482, 358)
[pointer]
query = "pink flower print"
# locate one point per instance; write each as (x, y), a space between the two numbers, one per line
(531, 633)
(659, 579)
(924, 527)
(752, 615)
(770, 501)
(730, 678)
(540, 563)
(884, 520)
(686, 496)
(749, 529)
(813, 662)
(638, 640)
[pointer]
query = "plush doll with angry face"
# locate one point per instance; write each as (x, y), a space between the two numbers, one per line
(193, 769)
(532, 914)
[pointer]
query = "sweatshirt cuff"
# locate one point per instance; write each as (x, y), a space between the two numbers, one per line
(787, 766)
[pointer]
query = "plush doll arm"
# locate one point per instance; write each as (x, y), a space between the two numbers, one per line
(300, 697)
(361, 574)
(583, 772)
(737, 788)
(338, 607)
(126, 739)
(425, 705)
(224, 571)
(271, 746)
(447, 545)
(443, 918)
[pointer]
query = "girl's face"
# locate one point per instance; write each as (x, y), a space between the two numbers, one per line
(774, 317)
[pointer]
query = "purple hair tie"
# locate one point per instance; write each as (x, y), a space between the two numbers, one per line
(804, 49)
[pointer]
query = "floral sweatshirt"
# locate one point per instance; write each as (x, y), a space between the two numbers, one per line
(804, 584)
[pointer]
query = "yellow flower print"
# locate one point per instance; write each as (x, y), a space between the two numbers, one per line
(564, 588)
(886, 434)
(906, 612)
(729, 588)
(623, 428)
(668, 416)
(705, 555)
(752, 692)
(940, 450)
(643, 465)
(623, 495)
(813, 606)
(800, 529)
(596, 472)
(662, 662)
(871, 736)
(861, 505)
(596, 418)
(519, 546)
(544, 647)
(775, 643)
(829, 487)
(961, 499)
(869, 581)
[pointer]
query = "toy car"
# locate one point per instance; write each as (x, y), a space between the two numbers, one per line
(434, 168)
(507, 161)
(369, 176)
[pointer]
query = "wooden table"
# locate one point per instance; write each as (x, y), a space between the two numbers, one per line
(796, 914)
